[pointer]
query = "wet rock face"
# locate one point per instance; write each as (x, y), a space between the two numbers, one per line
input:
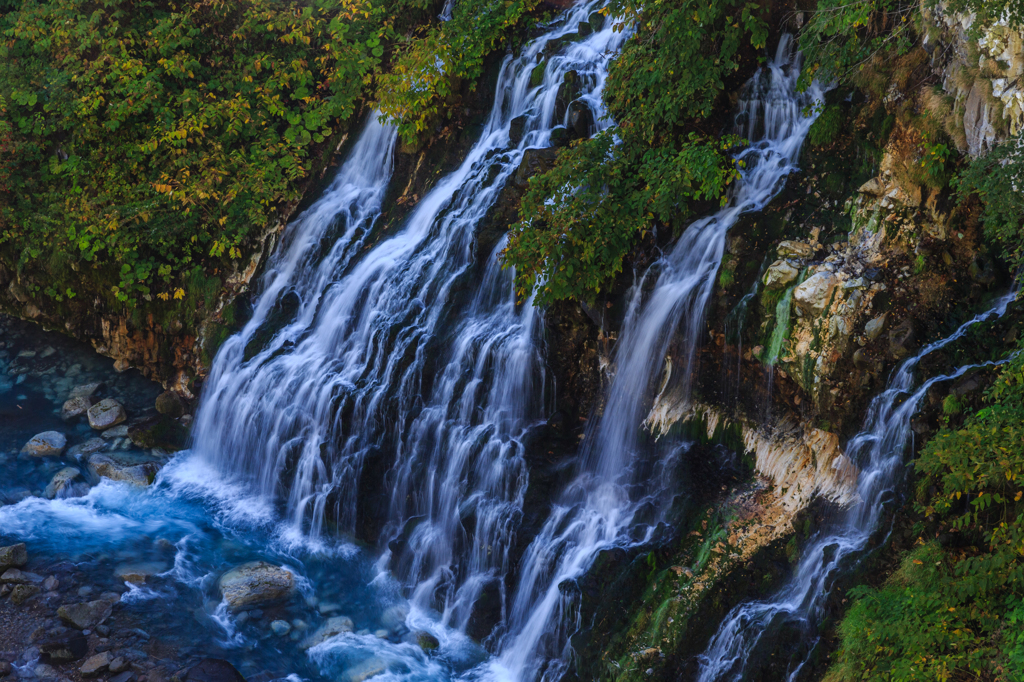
(255, 583)
(780, 275)
(46, 444)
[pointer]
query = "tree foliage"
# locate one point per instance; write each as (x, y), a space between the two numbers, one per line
(841, 36)
(580, 219)
(429, 68)
(148, 136)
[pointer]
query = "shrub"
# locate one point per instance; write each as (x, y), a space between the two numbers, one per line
(998, 180)
(954, 613)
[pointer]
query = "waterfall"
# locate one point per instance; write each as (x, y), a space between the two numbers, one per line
(610, 503)
(879, 450)
(396, 352)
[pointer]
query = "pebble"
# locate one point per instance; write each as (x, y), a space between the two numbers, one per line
(85, 591)
(118, 665)
(281, 627)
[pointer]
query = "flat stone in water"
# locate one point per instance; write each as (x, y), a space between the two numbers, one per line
(256, 582)
(89, 447)
(86, 615)
(123, 466)
(137, 573)
(46, 444)
(106, 413)
(364, 670)
(84, 390)
(333, 626)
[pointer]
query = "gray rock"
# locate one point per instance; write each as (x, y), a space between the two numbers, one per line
(94, 665)
(120, 431)
(84, 390)
(22, 593)
(44, 672)
(13, 555)
(85, 615)
(580, 119)
(76, 407)
(118, 469)
(118, 665)
(51, 583)
(780, 274)
(106, 413)
(281, 627)
(61, 482)
(45, 444)
(256, 582)
(813, 296)
(5, 668)
(137, 573)
(18, 577)
(89, 447)
(794, 249)
(364, 670)
(333, 626)
(873, 329)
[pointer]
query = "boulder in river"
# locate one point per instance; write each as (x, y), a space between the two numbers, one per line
(75, 407)
(137, 573)
(106, 413)
(84, 390)
(256, 582)
(333, 626)
(45, 444)
(89, 447)
(61, 482)
(85, 615)
(365, 669)
(123, 467)
(170, 403)
(213, 670)
(13, 556)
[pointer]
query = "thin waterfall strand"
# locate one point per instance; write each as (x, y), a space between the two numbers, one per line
(879, 449)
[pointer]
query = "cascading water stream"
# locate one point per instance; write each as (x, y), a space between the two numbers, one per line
(386, 351)
(879, 449)
(610, 503)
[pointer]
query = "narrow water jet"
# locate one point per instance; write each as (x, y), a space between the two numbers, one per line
(879, 450)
